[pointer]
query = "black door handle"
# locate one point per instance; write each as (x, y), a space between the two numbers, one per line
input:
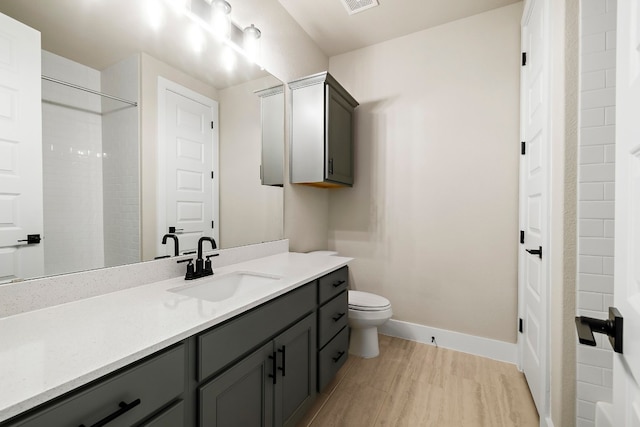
(273, 367)
(338, 317)
(612, 327)
(32, 239)
(284, 360)
(339, 355)
(535, 251)
(338, 283)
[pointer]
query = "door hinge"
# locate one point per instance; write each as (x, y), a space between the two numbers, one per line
(520, 326)
(521, 236)
(213, 224)
(212, 175)
(523, 148)
(212, 125)
(524, 58)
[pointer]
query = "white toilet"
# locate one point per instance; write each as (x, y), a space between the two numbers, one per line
(367, 311)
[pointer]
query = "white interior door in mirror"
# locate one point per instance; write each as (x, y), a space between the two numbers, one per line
(626, 368)
(20, 151)
(188, 164)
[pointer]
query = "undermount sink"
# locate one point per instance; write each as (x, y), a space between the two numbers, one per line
(219, 288)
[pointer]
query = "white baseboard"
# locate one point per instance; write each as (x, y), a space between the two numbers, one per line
(484, 347)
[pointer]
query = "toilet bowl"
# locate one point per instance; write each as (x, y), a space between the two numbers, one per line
(366, 312)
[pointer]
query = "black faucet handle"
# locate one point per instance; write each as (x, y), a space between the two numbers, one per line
(190, 275)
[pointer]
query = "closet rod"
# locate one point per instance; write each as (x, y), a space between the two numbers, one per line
(51, 79)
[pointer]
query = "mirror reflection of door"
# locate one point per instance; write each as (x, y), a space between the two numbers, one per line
(20, 153)
(187, 155)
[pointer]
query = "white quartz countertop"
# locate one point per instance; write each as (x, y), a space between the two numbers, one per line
(48, 352)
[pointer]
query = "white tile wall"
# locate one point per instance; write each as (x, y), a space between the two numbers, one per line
(121, 164)
(596, 190)
(72, 168)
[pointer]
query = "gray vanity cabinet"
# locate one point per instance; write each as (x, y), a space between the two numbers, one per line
(322, 132)
(273, 386)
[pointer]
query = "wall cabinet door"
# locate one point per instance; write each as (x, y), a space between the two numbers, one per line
(296, 383)
(339, 144)
(243, 395)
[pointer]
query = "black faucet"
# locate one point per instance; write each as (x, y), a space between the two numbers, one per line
(204, 268)
(176, 246)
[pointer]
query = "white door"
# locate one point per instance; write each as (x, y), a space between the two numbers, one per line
(20, 151)
(626, 384)
(188, 192)
(532, 258)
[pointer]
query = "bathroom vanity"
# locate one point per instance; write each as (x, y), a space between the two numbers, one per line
(154, 356)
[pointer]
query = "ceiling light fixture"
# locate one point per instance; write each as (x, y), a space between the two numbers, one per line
(221, 18)
(251, 42)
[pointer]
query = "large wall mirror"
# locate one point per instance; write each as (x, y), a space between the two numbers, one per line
(107, 160)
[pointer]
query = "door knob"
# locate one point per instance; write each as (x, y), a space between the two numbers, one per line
(612, 327)
(535, 251)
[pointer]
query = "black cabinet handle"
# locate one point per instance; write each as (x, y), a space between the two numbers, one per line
(331, 166)
(284, 360)
(535, 251)
(335, 359)
(124, 407)
(338, 317)
(338, 283)
(273, 367)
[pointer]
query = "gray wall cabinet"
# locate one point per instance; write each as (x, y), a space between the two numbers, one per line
(261, 368)
(322, 132)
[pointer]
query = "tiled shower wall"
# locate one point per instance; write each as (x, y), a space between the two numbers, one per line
(120, 162)
(72, 168)
(596, 190)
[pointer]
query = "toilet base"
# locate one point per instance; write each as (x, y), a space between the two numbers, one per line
(364, 342)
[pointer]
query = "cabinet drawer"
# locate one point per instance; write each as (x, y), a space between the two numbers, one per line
(173, 416)
(332, 317)
(332, 357)
(224, 344)
(154, 382)
(332, 284)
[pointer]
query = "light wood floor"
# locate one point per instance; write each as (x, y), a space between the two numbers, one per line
(413, 384)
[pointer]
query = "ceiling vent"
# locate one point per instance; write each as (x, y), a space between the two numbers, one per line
(356, 6)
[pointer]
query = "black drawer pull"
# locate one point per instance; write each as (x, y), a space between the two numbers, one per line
(338, 317)
(335, 359)
(284, 360)
(338, 283)
(124, 407)
(273, 367)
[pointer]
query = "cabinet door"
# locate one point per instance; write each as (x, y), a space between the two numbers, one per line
(241, 396)
(296, 383)
(339, 134)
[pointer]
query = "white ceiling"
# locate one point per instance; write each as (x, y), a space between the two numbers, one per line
(328, 23)
(100, 33)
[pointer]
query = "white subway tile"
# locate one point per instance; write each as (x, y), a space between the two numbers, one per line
(590, 264)
(609, 191)
(593, 80)
(609, 228)
(597, 173)
(610, 115)
(593, 43)
(598, 60)
(607, 300)
(592, 117)
(590, 300)
(596, 210)
(592, 154)
(597, 23)
(610, 77)
(610, 153)
(598, 98)
(600, 135)
(607, 265)
(590, 374)
(593, 393)
(591, 228)
(595, 283)
(594, 356)
(593, 7)
(612, 7)
(586, 410)
(607, 377)
(591, 191)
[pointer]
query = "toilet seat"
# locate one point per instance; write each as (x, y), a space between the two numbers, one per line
(365, 301)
